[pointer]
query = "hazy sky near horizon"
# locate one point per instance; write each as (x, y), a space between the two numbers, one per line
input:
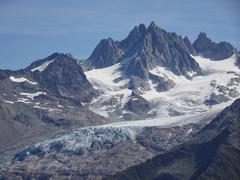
(33, 29)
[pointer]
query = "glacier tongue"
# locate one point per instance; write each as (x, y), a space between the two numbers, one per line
(83, 140)
(101, 138)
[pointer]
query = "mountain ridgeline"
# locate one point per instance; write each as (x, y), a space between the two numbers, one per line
(147, 47)
(147, 107)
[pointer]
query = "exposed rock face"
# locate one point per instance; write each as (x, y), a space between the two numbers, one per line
(212, 154)
(189, 45)
(105, 54)
(64, 77)
(216, 51)
(163, 83)
(216, 99)
(159, 47)
(44, 98)
(137, 106)
(238, 59)
(223, 93)
(145, 48)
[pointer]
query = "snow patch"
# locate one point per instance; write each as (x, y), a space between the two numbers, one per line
(189, 131)
(46, 108)
(33, 95)
(10, 102)
(24, 100)
(43, 66)
(21, 79)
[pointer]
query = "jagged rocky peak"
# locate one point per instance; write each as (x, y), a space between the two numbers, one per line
(105, 54)
(160, 48)
(134, 36)
(61, 74)
(207, 48)
(41, 64)
(189, 46)
(144, 49)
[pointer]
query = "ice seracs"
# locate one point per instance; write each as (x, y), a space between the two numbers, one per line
(83, 140)
(21, 79)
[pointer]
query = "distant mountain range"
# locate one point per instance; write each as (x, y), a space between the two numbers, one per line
(153, 99)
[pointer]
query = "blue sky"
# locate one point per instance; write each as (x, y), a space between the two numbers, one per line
(33, 29)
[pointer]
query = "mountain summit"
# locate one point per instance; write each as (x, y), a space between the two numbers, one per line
(61, 74)
(147, 48)
(144, 49)
(209, 49)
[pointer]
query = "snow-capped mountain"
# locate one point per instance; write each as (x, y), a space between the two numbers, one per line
(128, 102)
(45, 97)
(159, 74)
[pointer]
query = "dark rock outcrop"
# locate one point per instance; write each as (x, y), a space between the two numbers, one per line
(189, 45)
(238, 59)
(216, 51)
(145, 48)
(105, 54)
(64, 77)
(137, 105)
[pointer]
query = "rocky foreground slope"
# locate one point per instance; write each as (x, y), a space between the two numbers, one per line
(187, 150)
(213, 153)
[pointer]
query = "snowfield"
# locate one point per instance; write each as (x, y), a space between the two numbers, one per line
(187, 97)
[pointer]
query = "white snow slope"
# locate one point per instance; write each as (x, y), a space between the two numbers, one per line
(187, 97)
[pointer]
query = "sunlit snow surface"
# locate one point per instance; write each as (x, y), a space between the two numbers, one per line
(21, 79)
(43, 66)
(111, 83)
(187, 97)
